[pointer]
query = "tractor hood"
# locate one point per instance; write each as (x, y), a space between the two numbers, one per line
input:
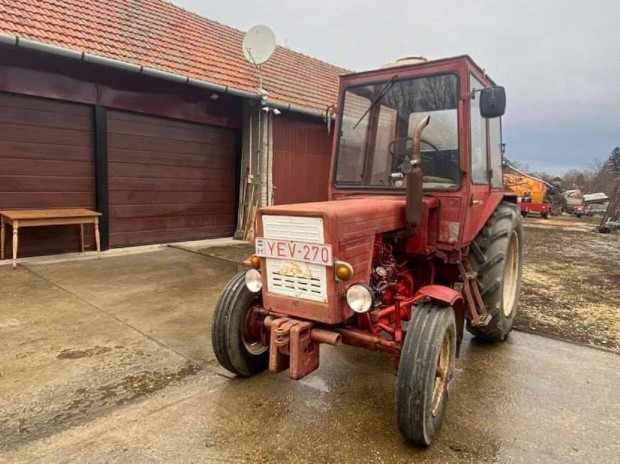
(309, 289)
(348, 219)
(349, 226)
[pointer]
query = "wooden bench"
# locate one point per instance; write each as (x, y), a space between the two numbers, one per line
(46, 217)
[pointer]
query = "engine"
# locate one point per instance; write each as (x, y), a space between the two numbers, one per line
(389, 278)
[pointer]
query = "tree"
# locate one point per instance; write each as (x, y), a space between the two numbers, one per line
(600, 178)
(614, 161)
(613, 209)
(570, 177)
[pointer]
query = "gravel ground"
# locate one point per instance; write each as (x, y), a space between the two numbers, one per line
(571, 282)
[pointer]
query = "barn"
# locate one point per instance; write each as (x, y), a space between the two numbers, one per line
(150, 114)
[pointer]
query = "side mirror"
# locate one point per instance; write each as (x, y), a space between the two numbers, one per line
(492, 102)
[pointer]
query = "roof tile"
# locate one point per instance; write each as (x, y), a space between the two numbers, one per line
(158, 34)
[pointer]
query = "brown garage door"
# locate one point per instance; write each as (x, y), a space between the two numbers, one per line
(46, 161)
(169, 180)
(301, 155)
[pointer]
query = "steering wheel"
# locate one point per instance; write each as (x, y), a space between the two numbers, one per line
(392, 144)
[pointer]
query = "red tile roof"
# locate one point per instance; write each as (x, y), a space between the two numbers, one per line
(157, 34)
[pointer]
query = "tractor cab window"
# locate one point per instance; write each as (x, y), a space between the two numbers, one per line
(377, 125)
(478, 136)
(495, 151)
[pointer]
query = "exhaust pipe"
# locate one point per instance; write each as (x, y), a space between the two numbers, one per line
(414, 178)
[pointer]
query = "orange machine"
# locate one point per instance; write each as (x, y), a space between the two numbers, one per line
(531, 191)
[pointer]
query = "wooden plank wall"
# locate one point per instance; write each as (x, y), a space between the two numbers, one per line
(46, 161)
(169, 180)
(301, 157)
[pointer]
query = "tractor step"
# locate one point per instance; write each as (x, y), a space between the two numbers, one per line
(483, 320)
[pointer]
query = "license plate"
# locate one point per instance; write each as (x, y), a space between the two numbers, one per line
(315, 253)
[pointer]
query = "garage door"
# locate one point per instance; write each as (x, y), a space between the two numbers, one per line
(46, 161)
(301, 156)
(169, 180)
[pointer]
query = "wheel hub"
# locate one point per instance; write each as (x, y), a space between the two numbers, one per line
(252, 332)
(442, 372)
(511, 275)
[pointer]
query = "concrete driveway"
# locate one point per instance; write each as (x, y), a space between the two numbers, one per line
(110, 361)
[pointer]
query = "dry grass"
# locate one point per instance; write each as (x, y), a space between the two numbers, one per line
(571, 281)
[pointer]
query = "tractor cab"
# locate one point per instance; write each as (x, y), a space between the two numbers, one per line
(459, 151)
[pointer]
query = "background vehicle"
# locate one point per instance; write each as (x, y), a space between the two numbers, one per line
(595, 204)
(574, 201)
(418, 241)
(590, 204)
(531, 191)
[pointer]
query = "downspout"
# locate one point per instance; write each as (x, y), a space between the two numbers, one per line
(270, 187)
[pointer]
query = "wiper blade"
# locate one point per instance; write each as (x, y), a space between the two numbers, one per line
(379, 97)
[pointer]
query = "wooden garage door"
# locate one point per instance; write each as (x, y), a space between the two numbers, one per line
(46, 161)
(169, 180)
(301, 156)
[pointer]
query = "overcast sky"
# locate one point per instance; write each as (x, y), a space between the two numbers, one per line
(559, 60)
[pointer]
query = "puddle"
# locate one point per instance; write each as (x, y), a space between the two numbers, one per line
(77, 354)
(85, 403)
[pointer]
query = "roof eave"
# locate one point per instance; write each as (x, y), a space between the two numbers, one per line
(41, 47)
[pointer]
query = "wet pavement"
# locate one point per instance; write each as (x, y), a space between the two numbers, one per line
(110, 362)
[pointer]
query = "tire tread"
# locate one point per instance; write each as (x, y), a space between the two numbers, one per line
(494, 240)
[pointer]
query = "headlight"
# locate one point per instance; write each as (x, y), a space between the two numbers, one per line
(253, 281)
(360, 297)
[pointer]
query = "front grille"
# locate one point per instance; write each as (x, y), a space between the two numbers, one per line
(309, 287)
(294, 278)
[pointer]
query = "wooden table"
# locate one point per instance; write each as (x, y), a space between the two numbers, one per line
(47, 217)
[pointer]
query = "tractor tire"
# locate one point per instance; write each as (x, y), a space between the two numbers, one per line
(425, 372)
(234, 349)
(544, 215)
(497, 257)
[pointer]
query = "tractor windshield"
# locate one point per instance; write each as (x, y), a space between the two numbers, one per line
(377, 123)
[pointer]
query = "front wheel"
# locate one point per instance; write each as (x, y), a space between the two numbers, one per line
(425, 372)
(235, 331)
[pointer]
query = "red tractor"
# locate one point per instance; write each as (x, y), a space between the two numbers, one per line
(418, 241)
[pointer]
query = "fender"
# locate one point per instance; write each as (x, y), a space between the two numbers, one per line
(449, 297)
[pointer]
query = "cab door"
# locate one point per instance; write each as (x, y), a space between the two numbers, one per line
(482, 199)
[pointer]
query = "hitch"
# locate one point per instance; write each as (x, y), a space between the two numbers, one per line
(294, 345)
(480, 317)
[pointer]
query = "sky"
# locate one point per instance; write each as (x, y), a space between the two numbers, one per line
(559, 60)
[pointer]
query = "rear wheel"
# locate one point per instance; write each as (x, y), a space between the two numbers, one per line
(497, 257)
(425, 372)
(235, 331)
(545, 214)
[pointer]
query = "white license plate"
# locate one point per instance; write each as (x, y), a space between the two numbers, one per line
(316, 253)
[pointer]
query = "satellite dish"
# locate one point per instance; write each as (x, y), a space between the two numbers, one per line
(259, 44)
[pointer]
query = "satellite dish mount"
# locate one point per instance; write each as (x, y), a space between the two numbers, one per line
(259, 44)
